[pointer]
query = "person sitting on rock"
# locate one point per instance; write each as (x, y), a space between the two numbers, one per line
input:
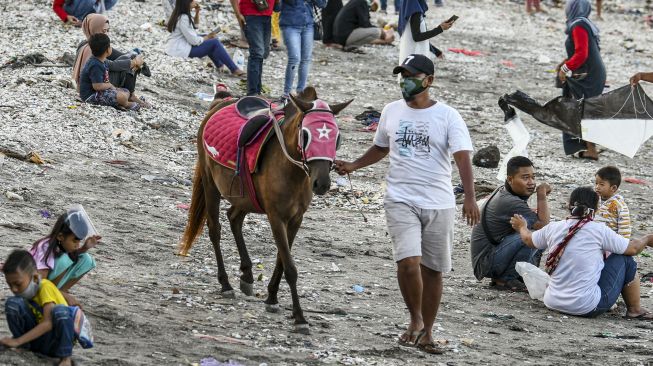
(495, 246)
(352, 27)
(74, 11)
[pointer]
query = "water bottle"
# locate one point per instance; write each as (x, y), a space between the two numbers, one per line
(239, 59)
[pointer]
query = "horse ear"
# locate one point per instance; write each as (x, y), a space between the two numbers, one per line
(309, 93)
(301, 104)
(339, 107)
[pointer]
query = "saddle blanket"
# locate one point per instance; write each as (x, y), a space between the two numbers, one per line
(221, 135)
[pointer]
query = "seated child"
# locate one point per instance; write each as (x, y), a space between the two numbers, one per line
(94, 85)
(38, 316)
(58, 256)
(613, 210)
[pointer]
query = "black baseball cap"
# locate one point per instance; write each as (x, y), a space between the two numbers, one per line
(416, 64)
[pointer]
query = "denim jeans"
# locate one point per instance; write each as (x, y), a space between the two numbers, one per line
(510, 251)
(258, 30)
(81, 8)
(384, 5)
(299, 42)
(56, 343)
(618, 271)
(216, 52)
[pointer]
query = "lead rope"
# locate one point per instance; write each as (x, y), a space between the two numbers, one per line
(358, 206)
(279, 133)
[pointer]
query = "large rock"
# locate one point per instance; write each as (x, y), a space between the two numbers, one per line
(487, 157)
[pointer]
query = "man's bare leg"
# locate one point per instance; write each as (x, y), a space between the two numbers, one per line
(431, 296)
(410, 283)
(631, 296)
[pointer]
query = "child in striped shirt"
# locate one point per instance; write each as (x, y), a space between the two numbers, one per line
(613, 210)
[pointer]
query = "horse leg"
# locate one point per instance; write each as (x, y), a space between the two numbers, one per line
(282, 233)
(236, 218)
(213, 222)
(272, 303)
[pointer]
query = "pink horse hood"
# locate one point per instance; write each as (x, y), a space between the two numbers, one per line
(320, 133)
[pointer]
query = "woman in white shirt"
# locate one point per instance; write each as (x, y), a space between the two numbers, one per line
(582, 282)
(185, 42)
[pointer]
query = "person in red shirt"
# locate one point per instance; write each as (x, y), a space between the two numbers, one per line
(582, 74)
(255, 18)
(74, 11)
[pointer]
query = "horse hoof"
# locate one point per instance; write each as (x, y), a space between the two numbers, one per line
(229, 294)
(272, 308)
(247, 288)
(302, 329)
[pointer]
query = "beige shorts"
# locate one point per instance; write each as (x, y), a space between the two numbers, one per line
(417, 232)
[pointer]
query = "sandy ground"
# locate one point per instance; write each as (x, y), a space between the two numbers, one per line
(150, 307)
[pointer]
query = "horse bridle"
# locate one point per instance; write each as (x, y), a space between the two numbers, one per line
(302, 164)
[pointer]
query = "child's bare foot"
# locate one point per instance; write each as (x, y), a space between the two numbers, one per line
(66, 361)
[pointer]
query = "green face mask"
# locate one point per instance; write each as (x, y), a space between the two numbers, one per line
(410, 87)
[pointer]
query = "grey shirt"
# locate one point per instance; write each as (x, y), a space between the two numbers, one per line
(497, 212)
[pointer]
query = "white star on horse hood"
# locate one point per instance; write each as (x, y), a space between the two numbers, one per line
(324, 131)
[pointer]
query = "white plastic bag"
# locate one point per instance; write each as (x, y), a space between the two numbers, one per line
(536, 280)
(239, 59)
(520, 138)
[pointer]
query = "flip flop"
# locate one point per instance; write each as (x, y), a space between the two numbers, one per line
(643, 316)
(431, 348)
(407, 342)
(581, 155)
(512, 285)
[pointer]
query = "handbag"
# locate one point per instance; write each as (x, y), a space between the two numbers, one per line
(317, 24)
(261, 5)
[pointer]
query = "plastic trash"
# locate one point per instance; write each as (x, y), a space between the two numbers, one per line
(536, 280)
(239, 59)
(358, 288)
(342, 182)
(45, 213)
(80, 223)
(204, 96)
(520, 139)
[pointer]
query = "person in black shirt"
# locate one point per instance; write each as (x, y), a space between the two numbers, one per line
(352, 27)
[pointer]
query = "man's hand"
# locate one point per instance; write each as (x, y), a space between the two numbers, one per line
(137, 62)
(9, 342)
(562, 76)
(518, 222)
(471, 211)
(635, 79)
(72, 20)
(343, 167)
(543, 188)
(241, 20)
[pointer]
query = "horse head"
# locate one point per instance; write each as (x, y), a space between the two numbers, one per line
(318, 136)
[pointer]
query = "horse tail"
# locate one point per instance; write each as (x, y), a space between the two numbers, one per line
(196, 213)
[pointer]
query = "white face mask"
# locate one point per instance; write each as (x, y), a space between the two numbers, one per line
(31, 291)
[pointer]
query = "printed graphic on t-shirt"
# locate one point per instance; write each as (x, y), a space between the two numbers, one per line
(413, 139)
(106, 75)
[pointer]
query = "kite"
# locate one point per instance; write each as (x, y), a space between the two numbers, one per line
(620, 120)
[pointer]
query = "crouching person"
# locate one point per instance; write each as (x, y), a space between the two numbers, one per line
(38, 316)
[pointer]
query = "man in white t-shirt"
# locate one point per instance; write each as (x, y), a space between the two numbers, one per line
(420, 134)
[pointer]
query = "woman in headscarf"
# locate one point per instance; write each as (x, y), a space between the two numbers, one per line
(582, 74)
(412, 29)
(75, 11)
(123, 67)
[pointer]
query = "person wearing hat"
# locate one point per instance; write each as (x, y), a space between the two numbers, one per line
(419, 134)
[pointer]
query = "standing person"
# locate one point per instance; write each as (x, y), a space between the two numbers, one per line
(329, 14)
(296, 24)
(37, 315)
(420, 134)
(582, 74)
(74, 11)
(123, 67)
(583, 283)
(412, 29)
(257, 24)
(384, 6)
(184, 41)
(495, 246)
(352, 27)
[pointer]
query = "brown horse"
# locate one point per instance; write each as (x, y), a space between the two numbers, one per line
(284, 192)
